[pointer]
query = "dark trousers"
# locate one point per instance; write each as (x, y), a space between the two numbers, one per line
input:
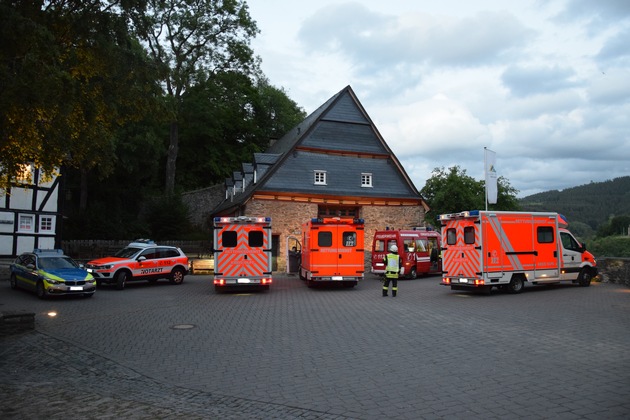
(394, 286)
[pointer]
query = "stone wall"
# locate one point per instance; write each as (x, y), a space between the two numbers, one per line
(288, 217)
(614, 270)
(201, 202)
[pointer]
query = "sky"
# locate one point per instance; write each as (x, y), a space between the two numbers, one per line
(543, 84)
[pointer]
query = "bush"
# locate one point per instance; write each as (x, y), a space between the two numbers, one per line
(610, 246)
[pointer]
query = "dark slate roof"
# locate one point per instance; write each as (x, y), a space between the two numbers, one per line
(340, 138)
(343, 176)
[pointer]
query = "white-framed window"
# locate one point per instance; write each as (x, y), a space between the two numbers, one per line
(46, 224)
(320, 178)
(366, 180)
(26, 223)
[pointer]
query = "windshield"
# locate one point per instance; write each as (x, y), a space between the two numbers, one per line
(126, 252)
(52, 263)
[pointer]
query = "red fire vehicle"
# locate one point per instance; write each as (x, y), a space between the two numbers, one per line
(332, 251)
(486, 249)
(419, 250)
(242, 252)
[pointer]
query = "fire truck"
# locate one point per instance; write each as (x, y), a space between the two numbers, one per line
(419, 250)
(486, 249)
(242, 253)
(332, 251)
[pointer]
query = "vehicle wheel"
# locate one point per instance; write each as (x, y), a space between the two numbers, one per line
(13, 282)
(516, 285)
(121, 280)
(41, 292)
(413, 274)
(88, 295)
(585, 277)
(177, 276)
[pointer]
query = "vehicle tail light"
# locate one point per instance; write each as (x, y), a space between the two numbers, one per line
(219, 282)
(266, 281)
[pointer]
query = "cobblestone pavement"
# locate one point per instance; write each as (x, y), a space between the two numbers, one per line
(164, 351)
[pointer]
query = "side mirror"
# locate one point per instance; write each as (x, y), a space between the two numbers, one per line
(142, 258)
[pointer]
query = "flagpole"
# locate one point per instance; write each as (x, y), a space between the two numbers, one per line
(485, 183)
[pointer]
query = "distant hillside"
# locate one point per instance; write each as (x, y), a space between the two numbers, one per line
(592, 204)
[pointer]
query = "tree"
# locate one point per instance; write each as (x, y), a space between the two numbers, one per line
(227, 119)
(71, 76)
(191, 40)
(453, 191)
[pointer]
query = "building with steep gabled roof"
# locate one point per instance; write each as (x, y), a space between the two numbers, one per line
(334, 163)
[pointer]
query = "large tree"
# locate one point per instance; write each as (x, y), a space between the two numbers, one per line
(192, 40)
(225, 121)
(452, 190)
(70, 77)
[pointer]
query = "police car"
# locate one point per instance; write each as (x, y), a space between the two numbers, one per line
(140, 260)
(49, 272)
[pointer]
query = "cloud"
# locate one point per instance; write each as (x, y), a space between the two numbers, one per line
(616, 49)
(525, 81)
(596, 13)
(377, 40)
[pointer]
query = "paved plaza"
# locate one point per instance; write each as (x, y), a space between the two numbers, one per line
(165, 351)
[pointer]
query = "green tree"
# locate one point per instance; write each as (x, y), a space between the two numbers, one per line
(191, 40)
(224, 121)
(452, 191)
(70, 76)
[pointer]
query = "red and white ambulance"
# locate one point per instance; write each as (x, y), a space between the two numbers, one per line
(419, 250)
(486, 249)
(332, 251)
(242, 253)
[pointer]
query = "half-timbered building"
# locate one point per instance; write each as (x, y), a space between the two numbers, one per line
(29, 214)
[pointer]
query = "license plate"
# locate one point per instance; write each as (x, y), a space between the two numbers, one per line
(463, 280)
(89, 270)
(243, 281)
(76, 288)
(337, 278)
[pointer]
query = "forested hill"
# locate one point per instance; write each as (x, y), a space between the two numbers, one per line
(592, 203)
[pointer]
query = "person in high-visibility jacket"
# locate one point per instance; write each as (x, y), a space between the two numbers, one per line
(393, 264)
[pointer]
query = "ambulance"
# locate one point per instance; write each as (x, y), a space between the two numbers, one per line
(242, 253)
(332, 251)
(419, 250)
(506, 250)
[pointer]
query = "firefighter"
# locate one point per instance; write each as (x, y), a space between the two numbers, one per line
(392, 268)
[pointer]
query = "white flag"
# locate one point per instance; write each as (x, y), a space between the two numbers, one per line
(491, 176)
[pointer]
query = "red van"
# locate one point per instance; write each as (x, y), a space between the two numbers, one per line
(420, 251)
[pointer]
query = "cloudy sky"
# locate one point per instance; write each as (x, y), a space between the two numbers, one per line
(544, 84)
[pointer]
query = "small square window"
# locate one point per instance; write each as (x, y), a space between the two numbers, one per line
(320, 177)
(366, 180)
(26, 223)
(46, 224)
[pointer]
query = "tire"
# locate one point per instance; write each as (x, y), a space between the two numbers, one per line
(121, 279)
(585, 277)
(413, 274)
(516, 285)
(177, 276)
(13, 282)
(40, 290)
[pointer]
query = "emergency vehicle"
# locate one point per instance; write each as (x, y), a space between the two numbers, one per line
(142, 259)
(242, 252)
(332, 251)
(419, 250)
(485, 249)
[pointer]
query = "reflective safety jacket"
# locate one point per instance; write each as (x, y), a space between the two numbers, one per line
(392, 266)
